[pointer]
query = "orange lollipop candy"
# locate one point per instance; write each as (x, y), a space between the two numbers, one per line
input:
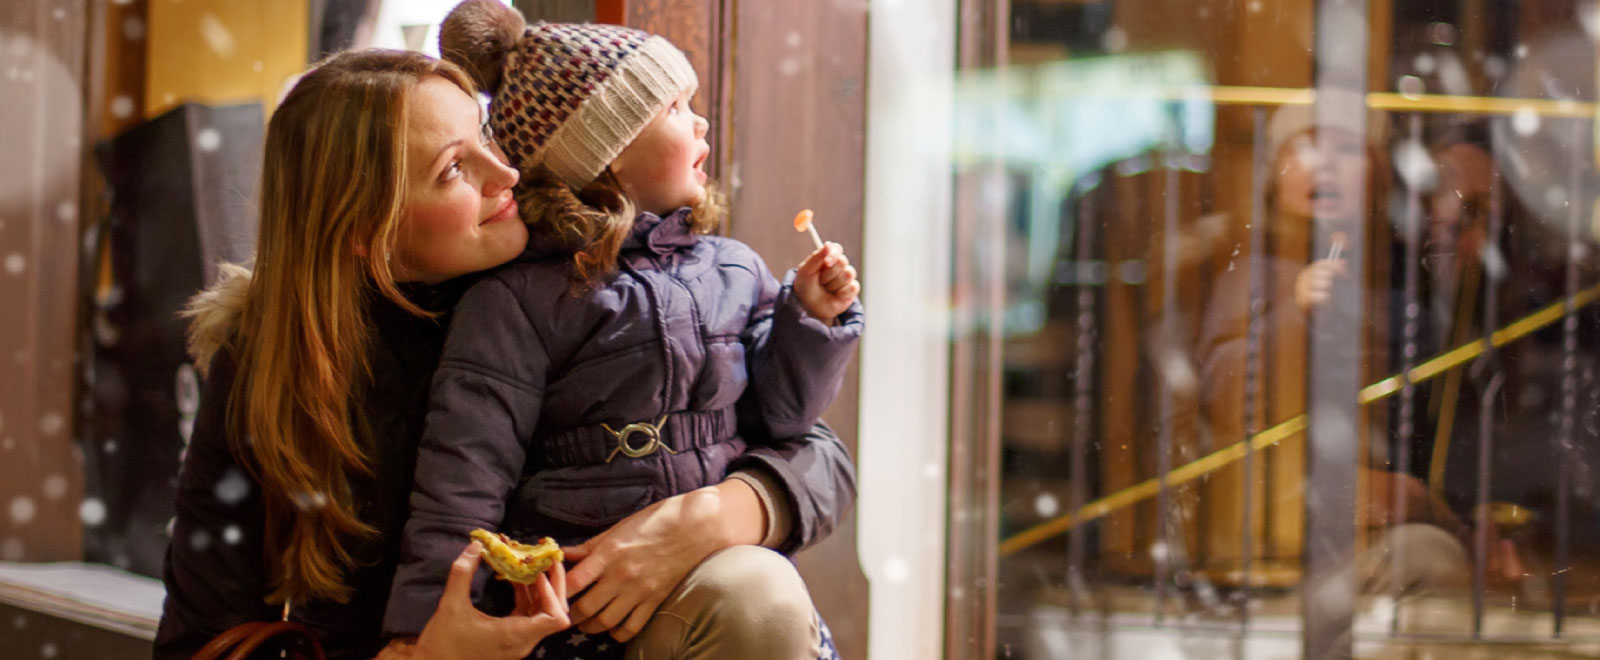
(802, 222)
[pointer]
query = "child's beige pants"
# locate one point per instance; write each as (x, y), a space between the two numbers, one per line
(742, 603)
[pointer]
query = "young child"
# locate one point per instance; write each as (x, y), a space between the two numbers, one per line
(627, 354)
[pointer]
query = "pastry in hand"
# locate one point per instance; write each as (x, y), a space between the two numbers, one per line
(514, 561)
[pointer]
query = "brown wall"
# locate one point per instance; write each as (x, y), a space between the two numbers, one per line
(798, 131)
(41, 126)
(223, 51)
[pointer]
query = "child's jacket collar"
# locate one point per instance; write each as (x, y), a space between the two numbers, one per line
(661, 235)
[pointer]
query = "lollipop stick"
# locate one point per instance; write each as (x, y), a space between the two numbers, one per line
(814, 237)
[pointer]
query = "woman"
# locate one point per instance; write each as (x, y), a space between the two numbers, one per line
(295, 482)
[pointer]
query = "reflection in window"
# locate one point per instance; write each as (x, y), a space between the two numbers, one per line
(1151, 215)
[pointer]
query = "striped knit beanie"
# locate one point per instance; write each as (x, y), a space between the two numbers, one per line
(567, 96)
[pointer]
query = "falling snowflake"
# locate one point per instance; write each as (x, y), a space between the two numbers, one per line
(231, 535)
(22, 510)
(200, 540)
(15, 263)
(1525, 121)
(208, 139)
(1046, 505)
(232, 488)
(47, 651)
(216, 35)
(92, 511)
(12, 549)
(1425, 63)
(309, 500)
(122, 106)
(896, 570)
(1115, 40)
(1411, 87)
(55, 487)
(51, 424)
(133, 28)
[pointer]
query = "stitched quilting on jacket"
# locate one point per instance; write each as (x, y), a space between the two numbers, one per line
(691, 335)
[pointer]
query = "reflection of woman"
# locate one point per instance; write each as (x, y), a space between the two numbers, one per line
(294, 486)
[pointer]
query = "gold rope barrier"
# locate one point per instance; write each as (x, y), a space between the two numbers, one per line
(1288, 428)
(1390, 101)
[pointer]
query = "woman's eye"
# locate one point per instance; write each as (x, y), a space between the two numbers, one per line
(452, 170)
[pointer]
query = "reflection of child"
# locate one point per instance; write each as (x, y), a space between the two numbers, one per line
(599, 372)
(1321, 174)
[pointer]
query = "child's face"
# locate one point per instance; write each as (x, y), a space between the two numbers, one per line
(1314, 181)
(458, 216)
(663, 169)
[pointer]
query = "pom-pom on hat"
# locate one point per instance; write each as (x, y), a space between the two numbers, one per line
(569, 96)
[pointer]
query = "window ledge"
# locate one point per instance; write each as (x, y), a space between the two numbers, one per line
(94, 594)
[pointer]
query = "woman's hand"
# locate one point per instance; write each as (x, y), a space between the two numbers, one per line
(1314, 283)
(458, 630)
(826, 283)
(630, 568)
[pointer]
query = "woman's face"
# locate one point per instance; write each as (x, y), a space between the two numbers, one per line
(1322, 181)
(663, 169)
(459, 216)
(1460, 204)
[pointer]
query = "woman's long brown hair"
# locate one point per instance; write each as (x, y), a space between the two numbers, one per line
(332, 191)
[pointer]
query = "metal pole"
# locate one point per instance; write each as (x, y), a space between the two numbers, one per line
(1408, 358)
(1168, 548)
(1252, 365)
(1491, 310)
(1328, 596)
(1569, 384)
(1082, 392)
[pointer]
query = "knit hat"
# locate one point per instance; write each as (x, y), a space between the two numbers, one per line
(1288, 121)
(569, 96)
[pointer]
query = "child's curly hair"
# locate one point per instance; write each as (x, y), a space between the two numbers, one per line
(591, 224)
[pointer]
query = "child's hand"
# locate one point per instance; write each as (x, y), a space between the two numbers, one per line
(1314, 284)
(826, 283)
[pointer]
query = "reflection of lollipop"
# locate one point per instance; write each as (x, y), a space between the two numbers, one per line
(1337, 248)
(802, 222)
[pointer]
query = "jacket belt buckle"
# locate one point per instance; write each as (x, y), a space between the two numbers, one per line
(652, 442)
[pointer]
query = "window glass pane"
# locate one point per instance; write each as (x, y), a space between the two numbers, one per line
(1242, 282)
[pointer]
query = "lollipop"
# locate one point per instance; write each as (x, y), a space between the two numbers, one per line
(802, 222)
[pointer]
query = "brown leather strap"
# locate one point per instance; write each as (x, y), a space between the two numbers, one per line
(225, 641)
(243, 640)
